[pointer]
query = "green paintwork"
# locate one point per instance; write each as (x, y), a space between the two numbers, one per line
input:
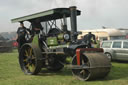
(46, 15)
(52, 41)
(35, 40)
(60, 36)
(59, 46)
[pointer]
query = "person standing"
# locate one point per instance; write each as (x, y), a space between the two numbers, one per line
(89, 39)
(21, 35)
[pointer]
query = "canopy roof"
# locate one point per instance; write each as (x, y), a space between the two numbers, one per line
(52, 14)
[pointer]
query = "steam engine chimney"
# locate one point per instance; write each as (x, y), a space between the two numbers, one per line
(73, 23)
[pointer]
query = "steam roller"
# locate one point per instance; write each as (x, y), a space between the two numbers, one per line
(90, 64)
(47, 44)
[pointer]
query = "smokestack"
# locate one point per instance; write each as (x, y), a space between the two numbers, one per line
(73, 23)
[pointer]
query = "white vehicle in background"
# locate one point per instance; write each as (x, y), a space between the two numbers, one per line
(116, 49)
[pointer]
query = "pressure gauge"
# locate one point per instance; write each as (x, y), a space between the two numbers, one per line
(66, 36)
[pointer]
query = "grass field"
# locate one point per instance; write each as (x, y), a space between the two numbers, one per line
(11, 74)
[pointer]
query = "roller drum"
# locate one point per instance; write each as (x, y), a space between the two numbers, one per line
(97, 66)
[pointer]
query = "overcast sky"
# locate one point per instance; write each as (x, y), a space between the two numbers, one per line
(95, 13)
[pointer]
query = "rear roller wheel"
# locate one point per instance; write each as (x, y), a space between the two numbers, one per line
(81, 74)
(29, 59)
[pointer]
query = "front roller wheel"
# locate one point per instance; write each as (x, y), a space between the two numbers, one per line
(81, 74)
(92, 66)
(30, 59)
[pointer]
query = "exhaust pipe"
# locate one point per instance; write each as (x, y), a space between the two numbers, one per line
(73, 23)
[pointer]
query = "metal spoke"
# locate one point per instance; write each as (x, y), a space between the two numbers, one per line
(26, 53)
(30, 52)
(25, 60)
(81, 73)
(27, 65)
(33, 57)
(31, 67)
